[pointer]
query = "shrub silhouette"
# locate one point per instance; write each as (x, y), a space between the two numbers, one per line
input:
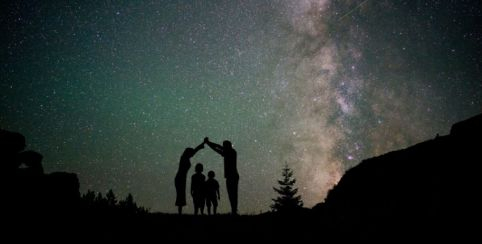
(97, 203)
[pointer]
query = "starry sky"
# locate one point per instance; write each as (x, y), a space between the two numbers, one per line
(115, 90)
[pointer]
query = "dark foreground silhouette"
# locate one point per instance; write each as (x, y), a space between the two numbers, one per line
(430, 189)
(425, 192)
(25, 189)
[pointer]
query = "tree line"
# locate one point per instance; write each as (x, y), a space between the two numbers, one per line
(109, 203)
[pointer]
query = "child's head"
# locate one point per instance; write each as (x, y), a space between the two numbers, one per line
(211, 174)
(198, 168)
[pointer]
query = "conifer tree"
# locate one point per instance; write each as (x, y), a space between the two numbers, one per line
(287, 201)
(111, 199)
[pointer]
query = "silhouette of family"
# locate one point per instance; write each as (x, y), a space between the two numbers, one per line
(206, 192)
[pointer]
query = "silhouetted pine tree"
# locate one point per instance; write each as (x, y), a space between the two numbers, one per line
(287, 201)
(128, 204)
(100, 201)
(88, 199)
(111, 199)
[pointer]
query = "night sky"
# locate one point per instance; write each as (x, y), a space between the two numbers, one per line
(115, 90)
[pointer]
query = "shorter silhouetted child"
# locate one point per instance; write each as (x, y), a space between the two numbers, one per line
(212, 192)
(197, 189)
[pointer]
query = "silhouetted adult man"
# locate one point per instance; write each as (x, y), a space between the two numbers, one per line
(230, 170)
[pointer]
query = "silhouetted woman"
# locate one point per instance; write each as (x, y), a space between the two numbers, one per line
(180, 180)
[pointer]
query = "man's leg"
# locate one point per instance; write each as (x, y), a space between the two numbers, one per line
(232, 187)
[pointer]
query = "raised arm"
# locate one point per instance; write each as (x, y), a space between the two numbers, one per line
(216, 147)
(199, 147)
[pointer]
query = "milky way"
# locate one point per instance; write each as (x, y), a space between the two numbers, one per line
(115, 92)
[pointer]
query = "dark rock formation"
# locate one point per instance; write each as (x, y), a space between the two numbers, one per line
(26, 190)
(429, 189)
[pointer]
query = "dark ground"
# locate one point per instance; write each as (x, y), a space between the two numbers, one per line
(169, 228)
(160, 228)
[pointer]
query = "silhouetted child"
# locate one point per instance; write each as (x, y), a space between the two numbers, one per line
(197, 189)
(212, 192)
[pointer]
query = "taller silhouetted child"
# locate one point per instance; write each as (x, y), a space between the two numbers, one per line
(197, 189)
